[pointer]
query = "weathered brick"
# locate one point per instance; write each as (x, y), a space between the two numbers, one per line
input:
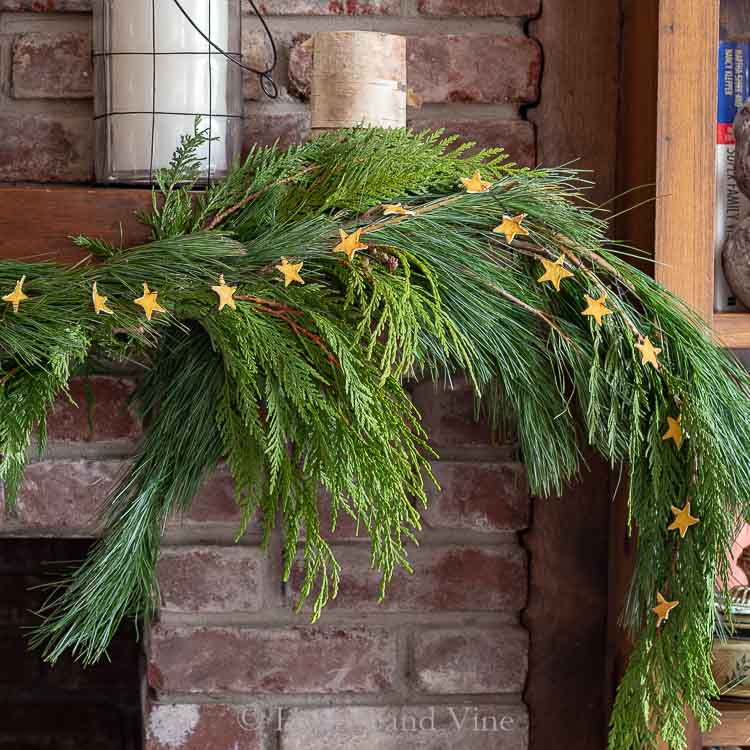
(213, 504)
(97, 410)
(266, 127)
(63, 495)
(448, 68)
(77, 6)
(46, 148)
(517, 137)
(524, 8)
(300, 66)
(478, 496)
(256, 53)
(469, 727)
(198, 727)
(451, 68)
(331, 7)
(52, 66)
(290, 661)
(216, 579)
(445, 578)
(449, 415)
(471, 661)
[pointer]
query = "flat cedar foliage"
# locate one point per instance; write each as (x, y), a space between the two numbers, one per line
(302, 389)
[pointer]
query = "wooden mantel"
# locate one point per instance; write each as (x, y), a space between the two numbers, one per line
(36, 222)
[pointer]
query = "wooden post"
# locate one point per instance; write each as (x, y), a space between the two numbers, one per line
(359, 78)
(686, 157)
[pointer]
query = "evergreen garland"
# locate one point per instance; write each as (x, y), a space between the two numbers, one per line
(303, 386)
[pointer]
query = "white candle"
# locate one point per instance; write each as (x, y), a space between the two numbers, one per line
(186, 83)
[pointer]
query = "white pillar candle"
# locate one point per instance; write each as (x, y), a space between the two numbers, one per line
(179, 81)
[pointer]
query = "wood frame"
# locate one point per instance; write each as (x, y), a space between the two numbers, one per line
(686, 161)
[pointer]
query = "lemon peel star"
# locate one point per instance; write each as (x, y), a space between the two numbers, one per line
(475, 183)
(350, 243)
(290, 271)
(226, 294)
(100, 302)
(596, 308)
(148, 302)
(17, 295)
(554, 272)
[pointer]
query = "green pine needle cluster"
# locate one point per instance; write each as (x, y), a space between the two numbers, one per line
(302, 389)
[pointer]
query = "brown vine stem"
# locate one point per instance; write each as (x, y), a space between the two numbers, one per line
(576, 261)
(283, 312)
(533, 310)
(257, 194)
(417, 212)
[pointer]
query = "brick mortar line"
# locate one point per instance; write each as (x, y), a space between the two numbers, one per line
(427, 537)
(27, 22)
(185, 538)
(72, 452)
(465, 110)
(15, 23)
(49, 108)
(503, 701)
(406, 25)
(83, 107)
(220, 536)
(282, 619)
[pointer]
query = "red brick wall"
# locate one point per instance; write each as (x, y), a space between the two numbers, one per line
(442, 662)
(230, 661)
(470, 63)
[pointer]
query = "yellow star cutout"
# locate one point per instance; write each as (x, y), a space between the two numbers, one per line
(674, 432)
(554, 272)
(17, 296)
(511, 226)
(649, 353)
(682, 520)
(100, 302)
(290, 271)
(349, 243)
(148, 302)
(596, 308)
(396, 209)
(662, 609)
(475, 183)
(226, 294)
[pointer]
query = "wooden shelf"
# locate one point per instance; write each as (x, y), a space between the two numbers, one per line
(733, 329)
(734, 729)
(36, 223)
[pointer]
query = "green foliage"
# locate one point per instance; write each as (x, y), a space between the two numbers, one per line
(302, 390)
(118, 579)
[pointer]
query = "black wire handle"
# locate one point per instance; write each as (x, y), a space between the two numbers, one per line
(270, 89)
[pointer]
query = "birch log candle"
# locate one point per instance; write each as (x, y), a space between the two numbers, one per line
(154, 73)
(359, 78)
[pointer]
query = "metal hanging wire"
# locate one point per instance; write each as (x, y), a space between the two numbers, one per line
(270, 89)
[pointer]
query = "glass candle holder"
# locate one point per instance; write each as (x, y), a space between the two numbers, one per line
(154, 73)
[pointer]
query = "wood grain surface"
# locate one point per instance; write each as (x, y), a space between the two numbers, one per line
(36, 222)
